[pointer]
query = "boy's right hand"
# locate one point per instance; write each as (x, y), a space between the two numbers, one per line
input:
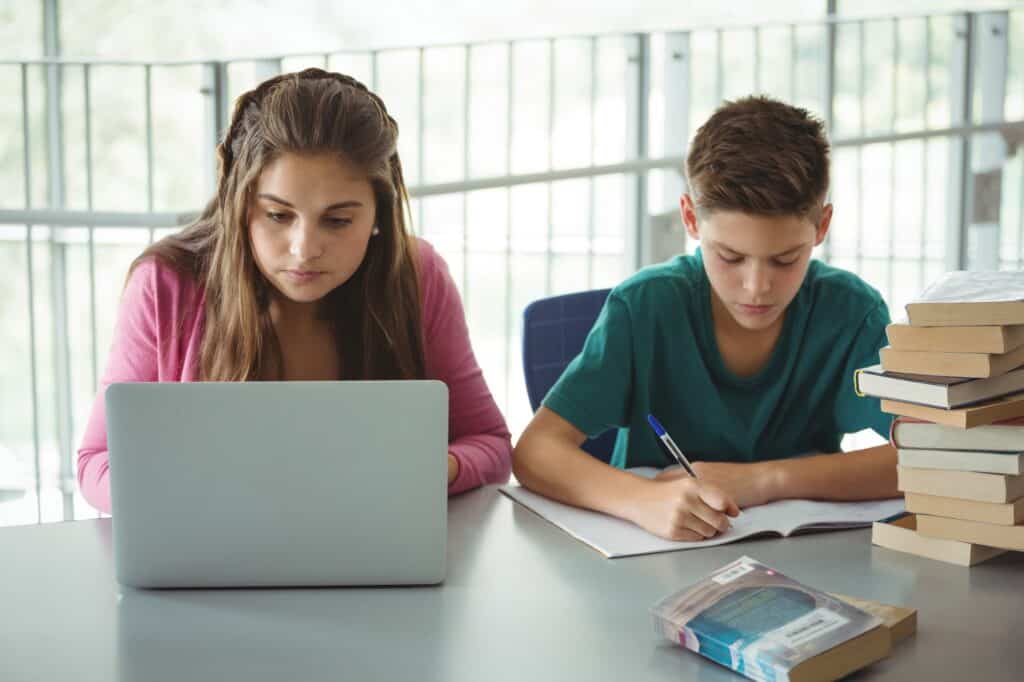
(684, 509)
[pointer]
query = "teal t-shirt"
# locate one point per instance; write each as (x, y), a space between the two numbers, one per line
(653, 351)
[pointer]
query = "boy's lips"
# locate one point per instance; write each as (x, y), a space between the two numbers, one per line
(755, 309)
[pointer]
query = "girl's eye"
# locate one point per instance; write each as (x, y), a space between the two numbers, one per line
(338, 222)
(277, 217)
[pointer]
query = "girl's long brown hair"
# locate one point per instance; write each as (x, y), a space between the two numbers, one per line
(376, 313)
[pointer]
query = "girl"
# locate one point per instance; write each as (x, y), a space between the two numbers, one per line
(302, 268)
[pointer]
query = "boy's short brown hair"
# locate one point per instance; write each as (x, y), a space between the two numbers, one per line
(760, 156)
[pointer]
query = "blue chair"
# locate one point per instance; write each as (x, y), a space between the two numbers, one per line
(554, 330)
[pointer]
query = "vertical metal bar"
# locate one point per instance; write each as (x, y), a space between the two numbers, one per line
(792, 63)
(57, 200)
(93, 343)
(327, 61)
(924, 148)
(638, 92)
(509, 122)
(62, 371)
(592, 189)
(217, 114)
(467, 65)
(54, 108)
(33, 363)
(420, 128)
(148, 75)
(374, 70)
(894, 117)
(960, 182)
(831, 38)
(549, 255)
(989, 149)
(890, 275)
(1020, 220)
(677, 135)
(861, 77)
(757, 60)
(35, 373)
(719, 70)
(927, 71)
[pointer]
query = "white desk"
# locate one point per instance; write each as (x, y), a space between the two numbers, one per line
(523, 601)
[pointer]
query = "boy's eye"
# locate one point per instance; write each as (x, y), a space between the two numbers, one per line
(731, 261)
(786, 263)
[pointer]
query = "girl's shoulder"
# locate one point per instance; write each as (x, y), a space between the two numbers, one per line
(158, 287)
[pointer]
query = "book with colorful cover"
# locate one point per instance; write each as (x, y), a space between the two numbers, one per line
(768, 627)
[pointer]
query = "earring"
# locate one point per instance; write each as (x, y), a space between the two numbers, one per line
(376, 231)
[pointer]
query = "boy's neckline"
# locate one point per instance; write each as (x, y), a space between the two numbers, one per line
(775, 358)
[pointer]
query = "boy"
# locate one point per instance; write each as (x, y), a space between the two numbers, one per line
(745, 351)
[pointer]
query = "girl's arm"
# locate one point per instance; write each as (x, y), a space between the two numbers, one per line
(133, 357)
(478, 438)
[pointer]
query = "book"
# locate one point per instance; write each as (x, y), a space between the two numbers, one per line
(963, 460)
(1001, 514)
(1003, 537)
(1003, 436)
(616, 538)
(900, 621)
(989, 412)
(964, 485)
(766, 626)
(962, 298)
(935, 391)
(900, 535)
(976, 339)
(936, 363)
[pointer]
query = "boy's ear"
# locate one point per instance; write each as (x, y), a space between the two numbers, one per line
(823, 224)
(689, 214)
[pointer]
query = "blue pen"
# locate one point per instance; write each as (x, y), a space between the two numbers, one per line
(670, 444)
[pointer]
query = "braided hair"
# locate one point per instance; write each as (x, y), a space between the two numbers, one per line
(376, 313)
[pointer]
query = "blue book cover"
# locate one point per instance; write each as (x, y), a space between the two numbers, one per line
(764, 625)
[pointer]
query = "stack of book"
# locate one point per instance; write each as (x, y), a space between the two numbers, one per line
(954, 376)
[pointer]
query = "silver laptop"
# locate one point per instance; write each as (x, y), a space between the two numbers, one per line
(278, 483)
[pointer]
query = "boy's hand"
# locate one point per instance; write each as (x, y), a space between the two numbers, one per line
(747, 484)
(684, 509)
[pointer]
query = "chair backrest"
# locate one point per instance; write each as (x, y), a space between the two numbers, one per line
(554, 330)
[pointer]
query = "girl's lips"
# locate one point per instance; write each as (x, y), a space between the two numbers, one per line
(302, 276)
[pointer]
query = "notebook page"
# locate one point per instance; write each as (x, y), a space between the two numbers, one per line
(614, 537)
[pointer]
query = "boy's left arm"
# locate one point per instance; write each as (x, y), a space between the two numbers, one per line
(867, 474)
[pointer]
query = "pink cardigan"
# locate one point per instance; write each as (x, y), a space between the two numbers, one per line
(146, 348)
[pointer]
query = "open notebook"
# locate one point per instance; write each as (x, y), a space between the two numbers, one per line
(617, 538)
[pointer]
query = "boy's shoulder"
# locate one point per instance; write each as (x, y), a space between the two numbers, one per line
(681, 274)
(840, 293)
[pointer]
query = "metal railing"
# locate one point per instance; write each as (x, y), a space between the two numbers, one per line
(598, 147)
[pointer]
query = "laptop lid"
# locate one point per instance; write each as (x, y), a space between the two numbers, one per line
(278, 483)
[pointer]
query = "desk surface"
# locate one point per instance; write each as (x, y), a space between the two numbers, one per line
(522, 601)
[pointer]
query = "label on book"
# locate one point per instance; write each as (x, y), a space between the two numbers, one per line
(726, 577)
